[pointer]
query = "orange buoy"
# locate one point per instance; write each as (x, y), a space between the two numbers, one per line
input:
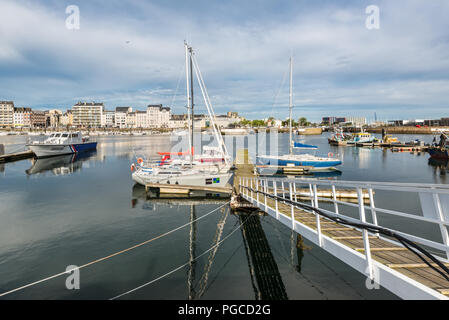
(139, 160)
(133, 167)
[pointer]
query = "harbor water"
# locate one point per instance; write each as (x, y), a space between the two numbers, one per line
(71, 210)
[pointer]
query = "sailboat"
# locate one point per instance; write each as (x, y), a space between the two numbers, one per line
(210, 169)
(309, 161)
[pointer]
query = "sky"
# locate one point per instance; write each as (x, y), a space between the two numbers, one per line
(131, 53)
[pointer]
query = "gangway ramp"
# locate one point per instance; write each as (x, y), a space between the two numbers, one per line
(381, 258)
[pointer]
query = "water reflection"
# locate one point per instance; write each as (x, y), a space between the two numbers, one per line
(152, 198)
(265, 276)
(440, 168)
(61, 165)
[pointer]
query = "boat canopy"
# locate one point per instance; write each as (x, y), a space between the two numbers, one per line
(299, 145)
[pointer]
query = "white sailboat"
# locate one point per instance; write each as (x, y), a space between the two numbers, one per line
(268, 163)
(211, 168)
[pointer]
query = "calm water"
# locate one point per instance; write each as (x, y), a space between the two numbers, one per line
(69, 211)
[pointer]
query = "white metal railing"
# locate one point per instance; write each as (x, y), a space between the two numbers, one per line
(434, 201)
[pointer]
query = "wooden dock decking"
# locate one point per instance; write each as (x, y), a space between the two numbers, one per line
(389, 254)
(382, 251)
(16, 156)
(180, 189)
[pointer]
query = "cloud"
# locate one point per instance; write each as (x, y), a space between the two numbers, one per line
(131, 53)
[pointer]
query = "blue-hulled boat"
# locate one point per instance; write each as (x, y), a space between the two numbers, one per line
(62, 143)
(312, 162)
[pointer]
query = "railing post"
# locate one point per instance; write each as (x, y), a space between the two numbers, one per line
(276, 199)
(291, 205)
(245, 190)
(240, 185)
(266, 191)
(311, 195)
(315, 196)
(257, 190)
(294, 191)
(283, 189)
(366, 243)
(334, 196)
(318, 220)
(443, 228)
(373, 208)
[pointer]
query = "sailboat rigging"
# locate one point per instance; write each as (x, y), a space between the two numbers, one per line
(210, 168)
(274, 163)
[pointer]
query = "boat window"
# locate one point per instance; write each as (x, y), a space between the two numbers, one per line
(65, 135)
(75, 135)
(57, 135)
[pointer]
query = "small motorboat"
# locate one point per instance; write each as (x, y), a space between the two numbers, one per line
(61, 143)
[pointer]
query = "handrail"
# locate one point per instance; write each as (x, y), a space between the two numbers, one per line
(400, 187)
(365, 184)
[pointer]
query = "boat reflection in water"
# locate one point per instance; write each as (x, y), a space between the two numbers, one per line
(441, 166)
(153, 197)
(59, 165)
(263, 270)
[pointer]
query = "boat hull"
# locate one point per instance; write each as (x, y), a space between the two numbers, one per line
(213, 180)
(51, 150)
(317, 165)
(437, 153)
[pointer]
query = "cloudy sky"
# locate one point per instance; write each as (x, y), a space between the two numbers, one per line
(130, 52)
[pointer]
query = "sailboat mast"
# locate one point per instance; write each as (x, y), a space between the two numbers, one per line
(188, 93)
(192, 105)
(291, 105)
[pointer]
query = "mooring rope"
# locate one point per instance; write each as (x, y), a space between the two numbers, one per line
(179, 267)
(113, 254)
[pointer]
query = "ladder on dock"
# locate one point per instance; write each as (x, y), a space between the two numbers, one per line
(339, 227)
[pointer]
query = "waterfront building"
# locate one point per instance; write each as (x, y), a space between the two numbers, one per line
(178, 121)
(108, 120)
(158, 116)
(224, 121)
(6, 113)
(38, 119)
(273, 123)
(328, 120)
(120, 116)
(141, 119)
(131, 119)
(53, 118)
(66, 120)
(232, 114)
(356, 121)
(88, 114)
(22, 117)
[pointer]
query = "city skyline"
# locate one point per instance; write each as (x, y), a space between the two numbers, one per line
(399, 71)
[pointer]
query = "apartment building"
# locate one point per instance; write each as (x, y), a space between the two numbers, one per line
(141, 119)
(54, 118)
(131, 119)
(158, 116)
(120, 116)
(88, 114)
(108, 118)
(178, 121)
(22, 117)
(66, 119)
(6, 113)
(38, 119)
